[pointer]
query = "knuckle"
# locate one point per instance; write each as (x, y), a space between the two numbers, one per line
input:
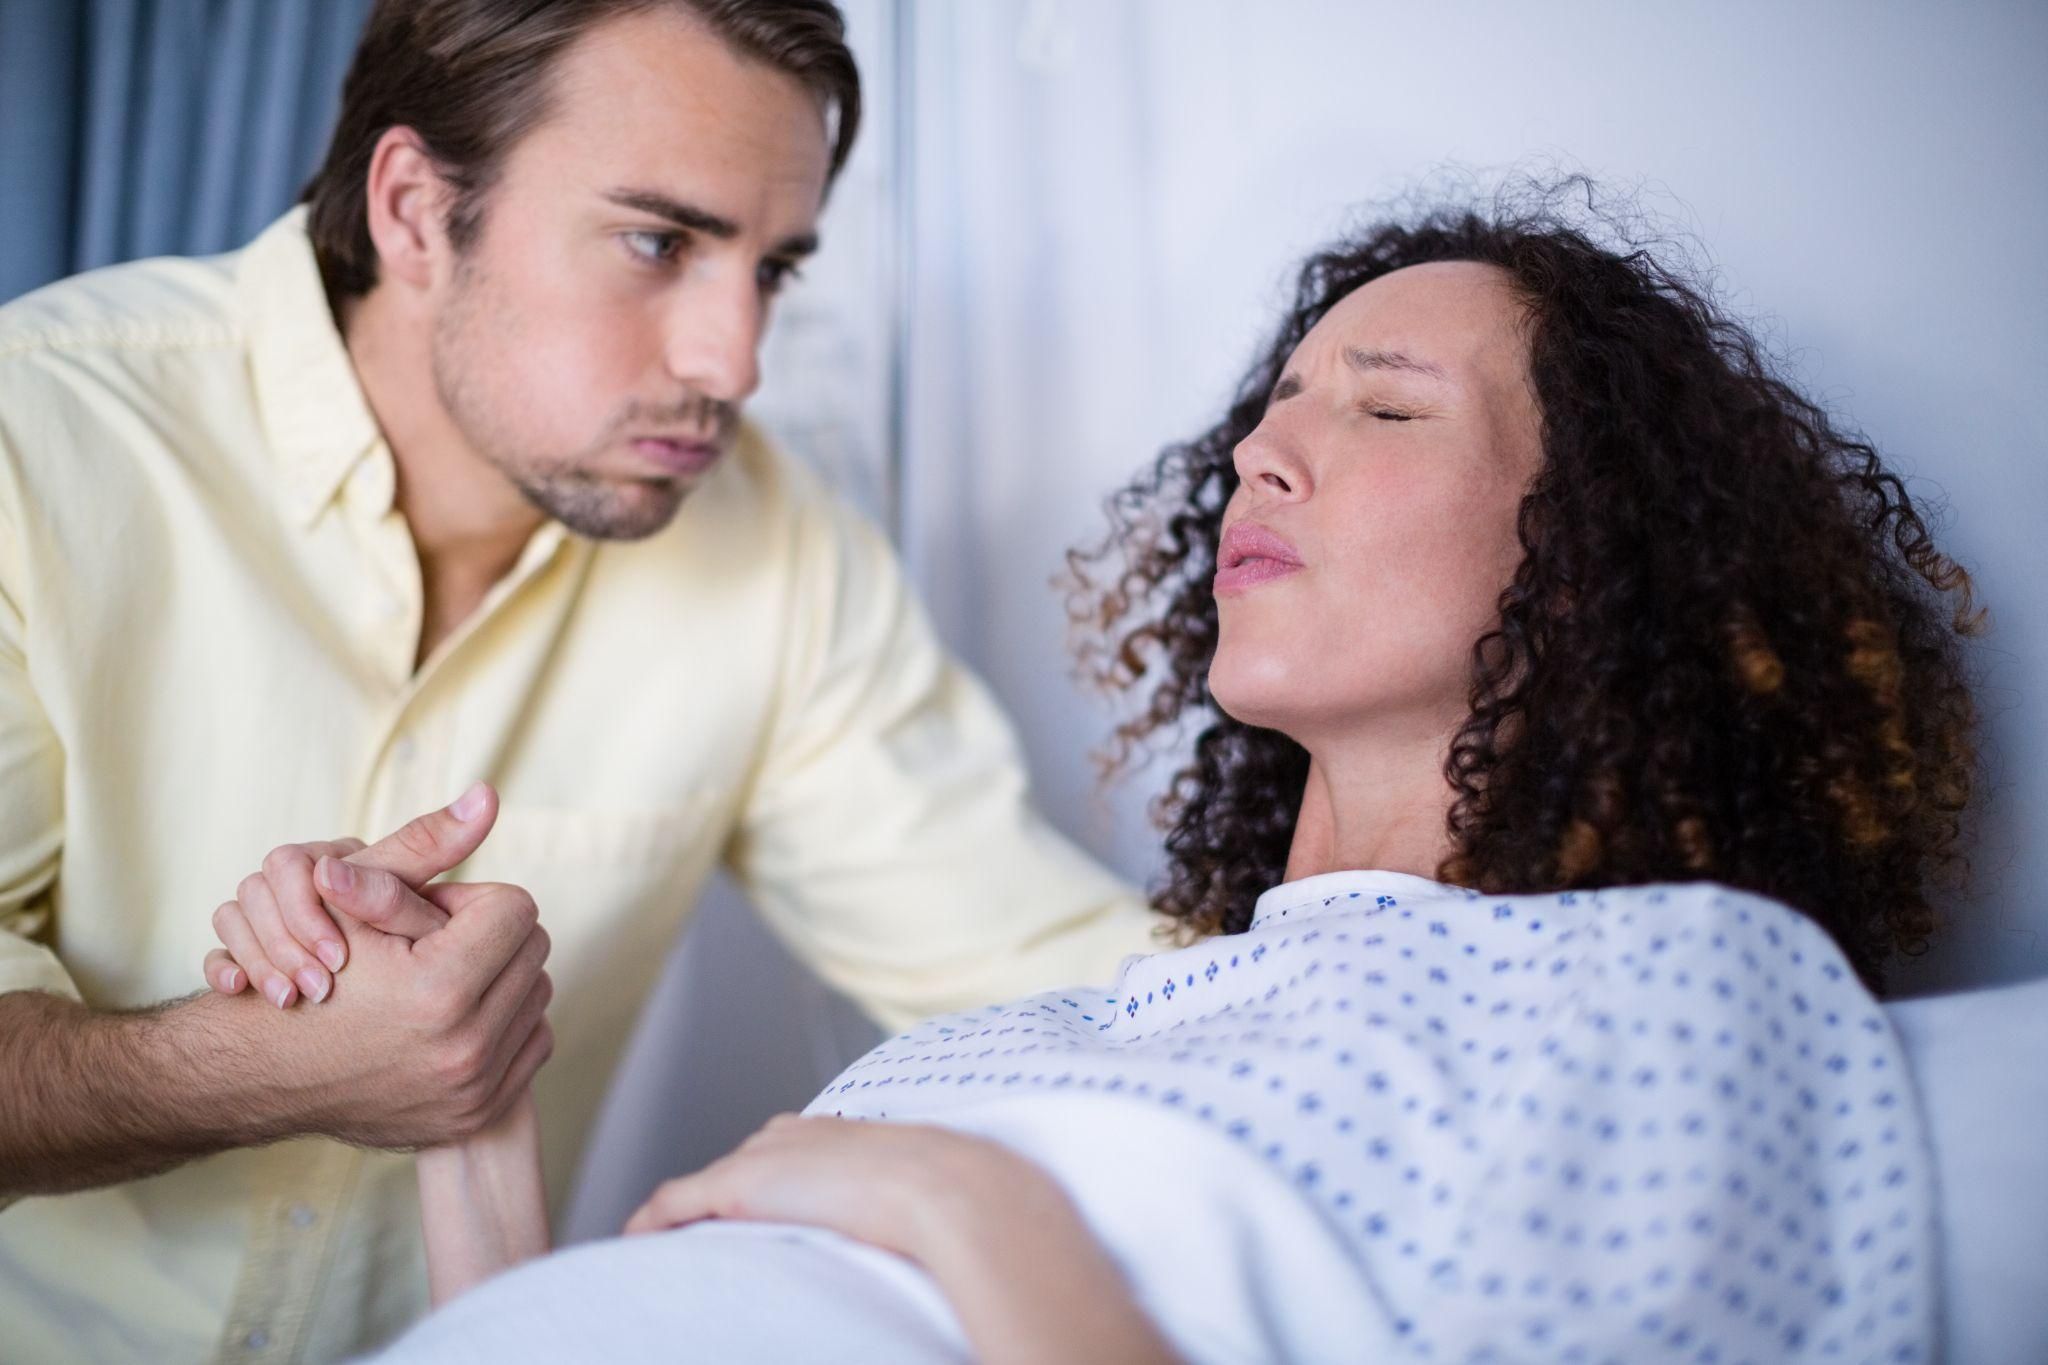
(515, 903)
(283, 859)
(457, 1065)
(251, 888)
(471, 1056)
(467, 1121)
(419, 838)
(443, 1011)
(224, 916)
(376, 890)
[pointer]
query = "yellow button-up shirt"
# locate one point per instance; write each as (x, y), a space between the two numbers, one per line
(209, 614)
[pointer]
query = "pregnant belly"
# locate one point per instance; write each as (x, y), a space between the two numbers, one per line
(738, 1292)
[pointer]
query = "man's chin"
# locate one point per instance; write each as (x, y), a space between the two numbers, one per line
(623, 510)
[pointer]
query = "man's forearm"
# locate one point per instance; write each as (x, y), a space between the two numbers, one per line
(90, 1098)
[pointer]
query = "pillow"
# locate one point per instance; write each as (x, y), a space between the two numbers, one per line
(1980, 1063)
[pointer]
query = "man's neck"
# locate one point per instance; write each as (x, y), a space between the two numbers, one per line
(1378, 801)
(468, 521)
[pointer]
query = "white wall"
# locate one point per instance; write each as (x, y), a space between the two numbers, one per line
(1104, 202)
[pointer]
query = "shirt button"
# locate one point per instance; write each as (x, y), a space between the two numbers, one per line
(404, 749)
(302, 1216)
(257, 1340)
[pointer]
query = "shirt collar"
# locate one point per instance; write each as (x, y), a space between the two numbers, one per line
(312, 405)
(1359, 890)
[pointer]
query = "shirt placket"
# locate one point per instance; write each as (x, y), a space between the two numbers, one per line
(291, 1245)
(301, 1189)
(415, 766)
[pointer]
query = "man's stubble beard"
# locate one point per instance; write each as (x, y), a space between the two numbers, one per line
(557, 486)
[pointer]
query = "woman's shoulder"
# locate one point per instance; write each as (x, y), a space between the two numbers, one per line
(1708, 925)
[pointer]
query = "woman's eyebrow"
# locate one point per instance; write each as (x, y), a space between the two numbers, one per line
(1365, 361)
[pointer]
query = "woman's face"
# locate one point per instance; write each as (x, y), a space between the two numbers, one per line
(1373, 528)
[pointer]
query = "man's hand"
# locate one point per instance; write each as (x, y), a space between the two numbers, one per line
(440, 1025)
(279, 930)
(421, 1043)
(435, 1034)
(426, 1043)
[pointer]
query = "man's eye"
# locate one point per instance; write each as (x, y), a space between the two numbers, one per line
(1389, 415)
(773, 275)
(658, 248)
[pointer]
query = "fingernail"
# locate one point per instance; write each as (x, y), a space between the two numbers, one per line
(234, 980)
(335, 875)
(331, 953)
(280, 991)
(470, 804)
(312, 984)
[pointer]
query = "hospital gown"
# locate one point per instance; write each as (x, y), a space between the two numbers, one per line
(1392, 1120)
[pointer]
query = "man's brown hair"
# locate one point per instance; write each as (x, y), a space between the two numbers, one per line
(470, 77)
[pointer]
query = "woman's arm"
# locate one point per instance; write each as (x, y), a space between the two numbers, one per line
(482, 1203)
(1027, 1279)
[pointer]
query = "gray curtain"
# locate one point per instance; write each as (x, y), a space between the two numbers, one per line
(134, 128)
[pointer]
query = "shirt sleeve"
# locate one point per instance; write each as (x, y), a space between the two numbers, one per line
(31, 797)
(888, 836)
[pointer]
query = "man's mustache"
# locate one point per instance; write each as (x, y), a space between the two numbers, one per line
(706, 419)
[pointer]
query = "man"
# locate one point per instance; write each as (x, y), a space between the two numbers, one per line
(442, 479)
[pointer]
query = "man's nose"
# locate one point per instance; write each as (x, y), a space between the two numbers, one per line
(714, 340)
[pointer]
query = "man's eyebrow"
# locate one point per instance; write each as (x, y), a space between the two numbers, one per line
(1363, 360)
(700, 220)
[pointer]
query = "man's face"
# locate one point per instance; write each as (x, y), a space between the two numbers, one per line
(596, 339)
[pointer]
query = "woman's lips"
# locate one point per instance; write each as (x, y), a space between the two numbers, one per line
(1250, 555)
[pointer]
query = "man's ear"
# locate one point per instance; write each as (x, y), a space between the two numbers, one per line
(407, 200)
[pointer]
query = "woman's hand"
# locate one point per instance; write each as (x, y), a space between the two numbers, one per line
(898, 1186)
(1005, 1245)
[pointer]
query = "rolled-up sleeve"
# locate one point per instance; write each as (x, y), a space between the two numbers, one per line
(889, 836)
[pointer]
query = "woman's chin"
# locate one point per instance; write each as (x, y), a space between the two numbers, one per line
(1261, 699)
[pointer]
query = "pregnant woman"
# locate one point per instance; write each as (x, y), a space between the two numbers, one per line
(1580, 724)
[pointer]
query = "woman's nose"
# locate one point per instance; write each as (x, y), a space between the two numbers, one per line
(1269, 466)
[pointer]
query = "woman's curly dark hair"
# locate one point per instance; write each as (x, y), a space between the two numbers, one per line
(1731, 651)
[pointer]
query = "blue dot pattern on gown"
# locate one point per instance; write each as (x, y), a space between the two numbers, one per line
(1642, 1124)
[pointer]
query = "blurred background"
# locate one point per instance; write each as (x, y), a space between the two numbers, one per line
(1068, 225)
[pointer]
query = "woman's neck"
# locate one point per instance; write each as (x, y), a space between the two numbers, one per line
(1380, 806)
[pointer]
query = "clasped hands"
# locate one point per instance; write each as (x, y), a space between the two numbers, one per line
(444, 1014)
(442, 1024)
